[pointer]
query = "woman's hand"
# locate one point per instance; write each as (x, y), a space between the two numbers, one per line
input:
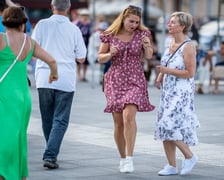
(53, 77)
(147, 47)
(162, 69)
(159, 79)
(113, 50)
(157, 84)
(146, 42)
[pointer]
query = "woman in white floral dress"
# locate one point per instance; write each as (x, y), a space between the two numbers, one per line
(177, 122)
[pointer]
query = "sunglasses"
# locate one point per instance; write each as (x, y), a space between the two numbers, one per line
(136, 8)
(22, 7)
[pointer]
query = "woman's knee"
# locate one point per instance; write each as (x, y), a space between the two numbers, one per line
(118, 120)
(129, 113)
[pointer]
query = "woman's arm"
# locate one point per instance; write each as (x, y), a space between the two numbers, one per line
(148, 52)
(104, 53)
(41, 54)
(147, 47)
(159, 80)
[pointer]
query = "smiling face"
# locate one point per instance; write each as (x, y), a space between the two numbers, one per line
(131, 22)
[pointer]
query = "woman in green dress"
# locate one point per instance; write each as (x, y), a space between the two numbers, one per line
(15, 98)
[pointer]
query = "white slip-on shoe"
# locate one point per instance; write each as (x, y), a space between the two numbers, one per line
(168, 170)
(188, 165)
(129, 166)
(121, 166)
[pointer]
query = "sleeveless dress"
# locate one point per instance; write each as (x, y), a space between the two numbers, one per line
(124, 82)
(15, 109)
(176, 114)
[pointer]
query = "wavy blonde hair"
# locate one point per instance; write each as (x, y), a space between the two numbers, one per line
(117, 24)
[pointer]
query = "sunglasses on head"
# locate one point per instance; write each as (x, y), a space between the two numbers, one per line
(136, 8)
(22, 7)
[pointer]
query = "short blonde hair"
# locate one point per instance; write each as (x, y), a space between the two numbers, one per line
(185, 19)
(117, 25)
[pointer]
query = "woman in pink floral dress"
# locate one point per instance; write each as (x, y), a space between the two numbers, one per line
(126, 42)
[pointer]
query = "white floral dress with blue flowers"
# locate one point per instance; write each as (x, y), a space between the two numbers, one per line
(176, 114)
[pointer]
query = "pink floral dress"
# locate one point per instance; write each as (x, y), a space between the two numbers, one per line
(125, 82)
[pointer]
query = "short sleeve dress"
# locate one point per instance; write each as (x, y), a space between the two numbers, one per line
(15, 109)
(177, 119)
(125, 82)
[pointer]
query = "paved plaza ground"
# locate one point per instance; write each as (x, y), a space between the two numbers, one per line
(88, 151)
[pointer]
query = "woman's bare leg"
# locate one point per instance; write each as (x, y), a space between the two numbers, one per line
(170, 150)
(216, 85)
(119, 133)
(79, 72)
(130, 127)
(184, 148)
(85, 66)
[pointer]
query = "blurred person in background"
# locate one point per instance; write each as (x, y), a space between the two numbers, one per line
(202, 70)
(93, 48)
(85, 25)
(194, 33)
(74, 16)
(2, 7)
(150, 66)
(218, 68)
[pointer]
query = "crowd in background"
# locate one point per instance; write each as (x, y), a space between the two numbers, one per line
(91, 27)
(206, 58)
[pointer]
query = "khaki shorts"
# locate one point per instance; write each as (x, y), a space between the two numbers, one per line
(218, 72)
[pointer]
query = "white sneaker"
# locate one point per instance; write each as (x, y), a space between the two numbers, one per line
(168, 170)
(129, 166)
(188, 164)
(121, 166)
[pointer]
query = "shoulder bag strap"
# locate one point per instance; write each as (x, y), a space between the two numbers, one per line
(176, 51)
(17, 57)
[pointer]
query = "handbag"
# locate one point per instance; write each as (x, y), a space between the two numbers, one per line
(160, 75)
(14, 62)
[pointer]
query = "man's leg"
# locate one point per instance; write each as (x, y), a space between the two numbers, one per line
(62, 108)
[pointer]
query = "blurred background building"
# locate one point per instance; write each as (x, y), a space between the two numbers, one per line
(208, 15)
(38, 9)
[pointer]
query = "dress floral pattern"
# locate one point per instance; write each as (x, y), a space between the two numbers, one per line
(125, 82)
(176, 114)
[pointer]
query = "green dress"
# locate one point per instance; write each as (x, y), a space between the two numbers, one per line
(15, 109)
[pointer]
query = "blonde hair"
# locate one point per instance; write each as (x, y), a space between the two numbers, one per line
(117, 24)
(185, 19)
